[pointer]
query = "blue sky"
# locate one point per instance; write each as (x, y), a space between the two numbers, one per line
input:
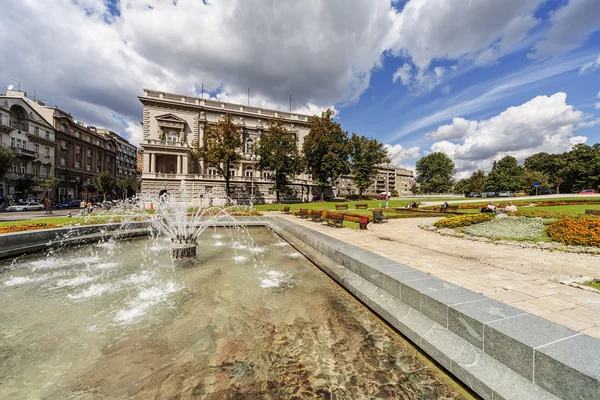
(474, 79)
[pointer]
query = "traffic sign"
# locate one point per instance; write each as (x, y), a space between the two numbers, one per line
(537, 184)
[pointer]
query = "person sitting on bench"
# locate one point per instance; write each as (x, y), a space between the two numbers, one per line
(445, 206)
(490, 208)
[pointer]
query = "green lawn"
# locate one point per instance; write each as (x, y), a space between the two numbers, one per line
(63, 221)
(331, 205)
(574, 209)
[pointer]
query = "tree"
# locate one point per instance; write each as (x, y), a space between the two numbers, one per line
(49, 185)
(530, 177)
(463, 186)
(104, 182)
(506, 175)
(581, 168)
(23, 185)
(279, 153)
(123, 185)
(434, 173)
(549, 164)
(222, 144)
(477, 181)
(365, 156)
(326, 150)
(7, 160)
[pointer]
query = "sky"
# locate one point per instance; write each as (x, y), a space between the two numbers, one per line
(475, 79)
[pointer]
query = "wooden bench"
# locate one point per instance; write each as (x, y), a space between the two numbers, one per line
(335, 219)
(593, 212)
(315, 215)
(302, 213)
(450, 208)
(341, 206)
(378, 217)
(362, 205)
(286, 210)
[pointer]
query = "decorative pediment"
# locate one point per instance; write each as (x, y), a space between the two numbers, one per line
(170, 120)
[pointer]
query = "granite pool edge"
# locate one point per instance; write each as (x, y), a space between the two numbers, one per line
(498, 351)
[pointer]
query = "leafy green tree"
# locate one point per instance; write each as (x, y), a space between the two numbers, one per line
(326, 150)
(123, 185)
(531, 177)
(49, 185)
(549, 164)
(23, 185)
(7, 160)
(279, 153)
(104, 182)
(434, 173)
(582, 168)
(221, 148)
(477, 181)
(506, 174)
(462, 186)
(366, 155)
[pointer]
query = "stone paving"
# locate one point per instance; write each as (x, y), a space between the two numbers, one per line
(528, 279)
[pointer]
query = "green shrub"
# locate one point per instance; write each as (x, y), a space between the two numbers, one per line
(463, 220)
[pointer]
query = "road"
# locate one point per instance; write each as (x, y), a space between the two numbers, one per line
(21, 215)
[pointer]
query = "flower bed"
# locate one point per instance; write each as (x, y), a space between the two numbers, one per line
(26, 227)
(517, 228)
(463, 220)
(576, 231)
(566, 203)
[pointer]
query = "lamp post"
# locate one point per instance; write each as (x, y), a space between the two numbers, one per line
(387, 189)
(254, 158)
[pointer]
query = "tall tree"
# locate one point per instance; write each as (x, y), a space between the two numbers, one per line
(506, 174)
(221, 148)
(582, 168)
(104, 182)
(123, 185)
(49, 185)
(279, 153)
(549, 164)
(365, 156)
(477, 181)
(462, 186)
(326, 150)
(7, 160)
(530, 177)
(434, 173)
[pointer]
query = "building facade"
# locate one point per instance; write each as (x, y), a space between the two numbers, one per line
(32, 139)
(172, 122)
(404, 181)
(126, 155)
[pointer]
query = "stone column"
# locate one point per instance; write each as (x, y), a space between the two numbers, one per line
(152, 162)
(146, 163)
(185, 164)
(178, 164)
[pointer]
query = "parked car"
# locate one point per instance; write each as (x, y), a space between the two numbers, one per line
(488, 194)
(547, 191)
(519, 194)
(474, 194)
(504, 194)
(31, 206)
(588, 191)
(69, 204)
(384, 195)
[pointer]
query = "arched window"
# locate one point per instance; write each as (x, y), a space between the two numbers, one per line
(173, 136)
(249, 146)
(249, 171)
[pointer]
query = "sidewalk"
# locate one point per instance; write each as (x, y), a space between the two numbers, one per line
(524, 278)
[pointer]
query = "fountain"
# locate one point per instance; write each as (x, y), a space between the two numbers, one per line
(182, 224)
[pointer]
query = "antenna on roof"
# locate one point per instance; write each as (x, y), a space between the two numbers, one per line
(203, 90)
(290, 103)
(18, 83)
(248, 97)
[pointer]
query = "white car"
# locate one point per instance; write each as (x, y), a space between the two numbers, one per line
(26, 207)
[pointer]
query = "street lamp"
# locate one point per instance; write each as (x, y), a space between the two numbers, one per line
(254, 158)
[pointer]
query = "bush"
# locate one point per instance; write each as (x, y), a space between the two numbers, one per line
(463, 220)
(505, 227)
(576, 231)
(354, 197)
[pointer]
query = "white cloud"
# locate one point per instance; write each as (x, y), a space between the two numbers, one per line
(399, 155)
(404, 73)
(572, 24)
(480, 31)
(545, 123)
(77, 56)
(590, 66)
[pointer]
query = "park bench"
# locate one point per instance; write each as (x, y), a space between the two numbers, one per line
(593, 212)
(341, 206)
(450, 208)
(378, 217)
(286, 210)
(362, 205)
(315, 215)
(335, 219)
(302, 213)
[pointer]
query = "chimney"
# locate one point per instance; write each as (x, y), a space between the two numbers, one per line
(15, 93)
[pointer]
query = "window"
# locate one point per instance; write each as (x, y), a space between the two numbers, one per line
(89, 154)
(89, 168)
(36, 170)
(97, 142)
(212, 171)
(249, 146)
(63, 128)
(24, 144)
(18, 142)
(36, 131)
(47, 171)
(47, 152)
(77, 149)
(63, 144)
(36, 147)
(63, 162)
(249, 172)
(173, 136)
(98, 168)
(13, 124)
(12, 142)
(22, 168)
(78, 164)
(232, 173)
(47, 135)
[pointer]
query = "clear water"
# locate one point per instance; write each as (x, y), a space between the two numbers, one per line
(250, 318)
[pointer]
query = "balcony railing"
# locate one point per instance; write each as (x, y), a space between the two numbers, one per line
(217, 178)
(23, 152)
(157, 142)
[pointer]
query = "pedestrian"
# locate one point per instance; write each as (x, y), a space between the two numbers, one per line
(82, 207)
(90, 207)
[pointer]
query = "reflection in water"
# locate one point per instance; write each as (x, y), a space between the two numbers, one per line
(120, 320)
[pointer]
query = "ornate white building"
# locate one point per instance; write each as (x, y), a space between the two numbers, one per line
(172, 122)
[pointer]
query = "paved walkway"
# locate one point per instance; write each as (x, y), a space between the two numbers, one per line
(524, 278)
